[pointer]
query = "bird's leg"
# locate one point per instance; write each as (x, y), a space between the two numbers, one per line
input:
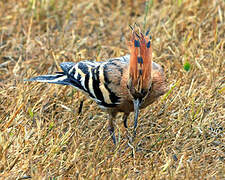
(80, 107)
(111, 126)
(136, 111)
(125, 116)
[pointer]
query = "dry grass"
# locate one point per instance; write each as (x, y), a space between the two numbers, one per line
(43, 136)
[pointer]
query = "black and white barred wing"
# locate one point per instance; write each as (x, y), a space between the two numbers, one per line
(96, 79)
(87, 76)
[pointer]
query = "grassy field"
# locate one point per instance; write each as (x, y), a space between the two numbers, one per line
(42, 136)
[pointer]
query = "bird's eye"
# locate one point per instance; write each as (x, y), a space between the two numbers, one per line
(150, 88)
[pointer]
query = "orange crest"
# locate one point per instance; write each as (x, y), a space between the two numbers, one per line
(140, 67)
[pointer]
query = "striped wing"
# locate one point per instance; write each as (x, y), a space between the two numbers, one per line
(96, 79)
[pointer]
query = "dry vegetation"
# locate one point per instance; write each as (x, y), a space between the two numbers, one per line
(42, 135)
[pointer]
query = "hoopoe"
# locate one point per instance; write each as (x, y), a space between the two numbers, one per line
(124, 84)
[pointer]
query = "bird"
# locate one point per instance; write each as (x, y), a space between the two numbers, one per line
(118, 85)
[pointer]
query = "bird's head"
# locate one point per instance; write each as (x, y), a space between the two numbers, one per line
(140, 67)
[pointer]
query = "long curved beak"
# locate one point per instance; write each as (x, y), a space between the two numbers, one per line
(137, 103)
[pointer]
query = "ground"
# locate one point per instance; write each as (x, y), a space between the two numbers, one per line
(42, 136)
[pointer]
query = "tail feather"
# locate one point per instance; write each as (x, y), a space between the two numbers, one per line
(58, 78)
(63, 78)
(55, 79)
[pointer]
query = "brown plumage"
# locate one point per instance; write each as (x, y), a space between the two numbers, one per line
(123, 84)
